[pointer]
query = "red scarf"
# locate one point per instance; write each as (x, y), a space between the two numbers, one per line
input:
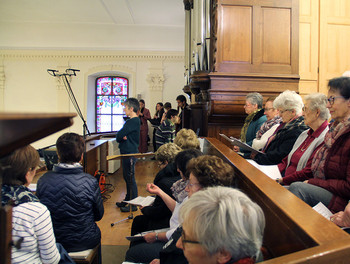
(245, 261)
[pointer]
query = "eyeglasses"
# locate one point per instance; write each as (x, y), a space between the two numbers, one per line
(331, 99)
(184, 240)
(268, 109)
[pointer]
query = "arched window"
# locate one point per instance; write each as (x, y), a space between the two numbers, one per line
(111, 92)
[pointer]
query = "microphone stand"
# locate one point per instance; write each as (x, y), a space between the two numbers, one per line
(63, 76)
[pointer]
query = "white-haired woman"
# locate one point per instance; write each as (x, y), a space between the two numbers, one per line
(297, 165)
(253, 122)
(221, 225)
(278, 146)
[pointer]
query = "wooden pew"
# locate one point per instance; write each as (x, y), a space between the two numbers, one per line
(294, 232)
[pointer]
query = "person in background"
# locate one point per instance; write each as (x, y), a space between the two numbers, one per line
(221, 225)
(31, 219)
(156, 121)
(72, 196)
(166, 131)
(167, 107)
(297, 165)
(181, 104)
(331, 164)
(128, 138)
(269, 127)
(144, 115)
(157, 215)
(253, 122)
(290, 105)
(187, 139)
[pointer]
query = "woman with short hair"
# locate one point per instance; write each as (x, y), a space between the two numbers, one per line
(269, 127)
(278, 146)
(253, 122)
(30, 219)
(187, 139)
(221, 225)
(297, 165)
(331, 165)
(72, 196)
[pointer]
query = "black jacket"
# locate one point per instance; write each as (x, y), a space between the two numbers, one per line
(74, 201)
(283, 143)
(164, 179)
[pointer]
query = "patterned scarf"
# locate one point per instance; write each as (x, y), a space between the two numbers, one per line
(247, 122)
(178, 190)
(284, 127)
(267, 125)
(335, 131)
(18, 194)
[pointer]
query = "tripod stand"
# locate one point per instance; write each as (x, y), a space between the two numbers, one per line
(64, 79)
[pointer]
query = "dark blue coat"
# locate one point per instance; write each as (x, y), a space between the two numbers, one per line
(74, 200)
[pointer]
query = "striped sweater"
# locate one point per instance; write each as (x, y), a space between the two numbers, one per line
(165, 133)
(32, 221)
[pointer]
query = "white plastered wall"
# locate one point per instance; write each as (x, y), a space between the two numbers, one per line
(25, 85)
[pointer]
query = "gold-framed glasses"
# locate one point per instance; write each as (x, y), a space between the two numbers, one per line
(332, 98)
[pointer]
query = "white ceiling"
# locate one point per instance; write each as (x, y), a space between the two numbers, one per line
(27, 23)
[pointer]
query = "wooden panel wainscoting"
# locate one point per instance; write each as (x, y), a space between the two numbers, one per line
(294, 232)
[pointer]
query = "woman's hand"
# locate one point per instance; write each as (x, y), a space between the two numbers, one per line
(236, 148)
(153, 189)
(150, 237)
(125, 138)
(155, 261)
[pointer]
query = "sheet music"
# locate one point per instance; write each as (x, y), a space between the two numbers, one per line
(142, 201)
(322, 210)
(270, 170)
(237, 142)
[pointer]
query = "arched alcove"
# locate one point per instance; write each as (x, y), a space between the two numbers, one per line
(90, 87)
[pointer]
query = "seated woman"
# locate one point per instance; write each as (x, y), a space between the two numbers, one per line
(157, 216)
(72, 196)
(252, 122)
(221, 225)
(331, 165)
(297, 165)
(278, 146)
(342, 218)
(205, 171)
(31, 220)
(187, 139)
(269, 127)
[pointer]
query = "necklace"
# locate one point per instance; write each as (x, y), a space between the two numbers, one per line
(305, 146)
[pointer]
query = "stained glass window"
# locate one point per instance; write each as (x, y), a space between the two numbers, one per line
(111, 92)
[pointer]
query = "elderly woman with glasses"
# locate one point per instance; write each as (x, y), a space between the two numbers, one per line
(278, 146)
(269, 127)
(331, 165)
(253, 122)
(297, 165)
(221, 225)
(205, 171)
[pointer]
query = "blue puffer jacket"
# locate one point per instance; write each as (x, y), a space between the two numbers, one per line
(74, 200)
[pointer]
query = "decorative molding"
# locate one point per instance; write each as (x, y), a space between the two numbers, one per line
(91, 55)
(2, 77)
(155, 81)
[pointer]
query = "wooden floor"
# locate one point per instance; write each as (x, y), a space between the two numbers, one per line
(145, 171)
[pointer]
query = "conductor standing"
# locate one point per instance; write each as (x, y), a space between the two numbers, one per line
(129, 138)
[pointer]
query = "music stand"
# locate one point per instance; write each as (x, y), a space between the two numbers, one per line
(64, 79)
